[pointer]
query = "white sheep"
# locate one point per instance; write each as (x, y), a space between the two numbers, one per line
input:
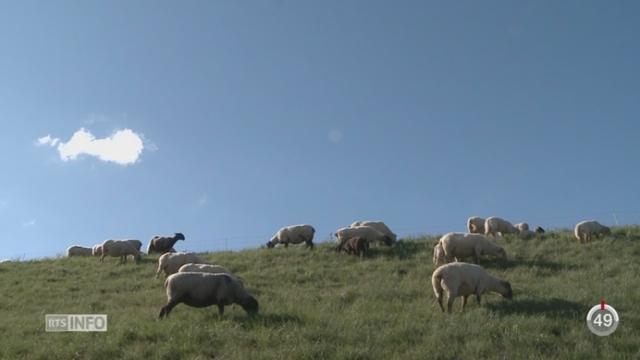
(438, 254)
(205, 268)
(588, 229)
(170, 263)
(97, 250)
(204, 289)
(497, 226)
(121, 249)
(163, 243)
(293, 234)
(463, 279)
(523, 226)
(475, 225)
(378, 225)
(366, 232)
(457, 246)
(77, 250)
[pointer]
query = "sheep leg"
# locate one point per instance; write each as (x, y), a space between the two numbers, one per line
(439, 297)
(464, 301)
(164, 312)
(450, 302)
(220, 310)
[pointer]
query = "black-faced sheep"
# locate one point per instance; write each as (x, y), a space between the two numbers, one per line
(294, 234)
(378, 225)
(77, 250)
(458, 246)
(163, 244)
(462, 279)
(355, 245)
(204, 289)
(586, 230)
(475, 225)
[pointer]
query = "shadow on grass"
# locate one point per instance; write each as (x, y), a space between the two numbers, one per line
(555, 308)
(267, 320)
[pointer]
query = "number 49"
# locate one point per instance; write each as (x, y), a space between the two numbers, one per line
(607, 319)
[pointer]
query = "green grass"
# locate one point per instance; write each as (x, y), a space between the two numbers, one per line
(321, 305)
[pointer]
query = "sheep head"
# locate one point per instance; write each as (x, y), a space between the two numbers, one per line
(507, 292)
(179, 236)
(250, 305)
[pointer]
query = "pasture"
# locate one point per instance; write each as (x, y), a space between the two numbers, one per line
(322, 305)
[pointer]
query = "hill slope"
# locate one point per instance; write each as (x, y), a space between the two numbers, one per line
(322, 305)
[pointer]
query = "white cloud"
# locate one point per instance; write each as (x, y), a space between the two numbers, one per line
(47, 140)
(30, 223)
(335, 135)
(122, 147)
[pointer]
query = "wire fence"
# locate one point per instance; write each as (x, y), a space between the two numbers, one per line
(245, 241)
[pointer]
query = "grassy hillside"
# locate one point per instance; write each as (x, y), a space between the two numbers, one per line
(321, 305)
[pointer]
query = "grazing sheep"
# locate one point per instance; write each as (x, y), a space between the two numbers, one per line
(205, 268)
(378, 225)
(162, 244)
(76, 250)
(119, 248)
(370, 234)
(203, 289)
(294, 234)
(475, 225)
(495, 225)
(97, 250)
(136, 243)
(523, 226)
(170, 263)
(462, 279)
(526, 234)
(462, 245)
(438, 254)
(355, 245)
(588, 229)
(539, 230)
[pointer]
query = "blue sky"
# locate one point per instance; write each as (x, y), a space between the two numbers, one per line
(256, 115)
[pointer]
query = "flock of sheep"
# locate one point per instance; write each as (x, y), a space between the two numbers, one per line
(192, 281)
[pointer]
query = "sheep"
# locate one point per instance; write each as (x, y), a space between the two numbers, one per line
(475, 225)
(294, 234)
(170, 263)
(588, 229)
(462, 245)
(356, 245)
(438, 254)
(378, 225)
(77, 250)
(121, 249)
(136, 243)
(206, 268)
(162, 244)
(462, 279)
(204, 289)
(495, 225)
(97, 250)
(526, 234)
(523, 226)
(370, 234)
